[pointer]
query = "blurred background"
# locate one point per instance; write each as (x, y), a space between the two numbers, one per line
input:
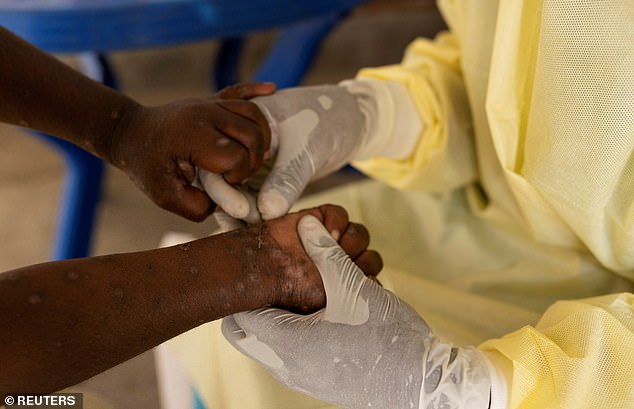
(31, 173)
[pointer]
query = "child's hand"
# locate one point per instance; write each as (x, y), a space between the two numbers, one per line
(161, 147)
(301, 288)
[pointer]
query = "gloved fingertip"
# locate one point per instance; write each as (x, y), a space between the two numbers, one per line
(229, 198)
(253, 216)
(238, 208)
(230, 329)
(272, 204)
(313, 233)
(309, 223)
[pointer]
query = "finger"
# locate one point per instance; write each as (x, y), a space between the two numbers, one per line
(189, 202)
(245, 123)
(370, 262)
(246, 109)
(342, 279)
(335, 219)
(232, 201)
(355, 240)
(274, 203)
(264, 319)
(241, 331)
(237, 336)
(247, 90)
(231, 330)
(253, 216)
(223, 156)
(252, 113)
(283, 186)
(294, 167)
(187, 171)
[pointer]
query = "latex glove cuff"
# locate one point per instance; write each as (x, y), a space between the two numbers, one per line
(393, 124)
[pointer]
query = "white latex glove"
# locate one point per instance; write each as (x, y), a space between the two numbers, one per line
(366, 349)
(317, 130)
(236, 201)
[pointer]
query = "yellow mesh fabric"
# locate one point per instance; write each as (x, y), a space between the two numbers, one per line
(471, 280)
(567, 133)
(519, 194)
(580, 355)
(551, 90)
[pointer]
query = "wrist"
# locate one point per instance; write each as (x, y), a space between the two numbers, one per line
(267, 271)
(117, 130)
(244, 276)
(448, 363)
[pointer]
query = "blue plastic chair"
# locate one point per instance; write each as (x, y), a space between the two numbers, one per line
(96, 27)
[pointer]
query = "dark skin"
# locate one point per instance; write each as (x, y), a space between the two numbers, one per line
(158, 147)
(65, 321)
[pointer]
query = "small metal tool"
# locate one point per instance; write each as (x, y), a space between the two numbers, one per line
(260, 232)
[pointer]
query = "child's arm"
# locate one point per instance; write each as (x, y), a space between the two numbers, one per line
(158, 147)
(65, 321)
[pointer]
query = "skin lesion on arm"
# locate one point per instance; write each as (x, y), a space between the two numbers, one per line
(66, 321)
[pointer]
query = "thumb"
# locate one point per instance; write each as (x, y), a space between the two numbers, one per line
(281, 189)
(192, 203)
(293, 168)
(237, 330)
(342, 279)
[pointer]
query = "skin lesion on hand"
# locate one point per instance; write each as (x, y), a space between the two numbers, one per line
(298, 285)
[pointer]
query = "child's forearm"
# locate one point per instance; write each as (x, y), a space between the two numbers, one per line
(40, 92)
(65, 321)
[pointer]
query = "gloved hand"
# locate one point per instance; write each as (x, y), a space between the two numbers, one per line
(317, 130)
(366, 349)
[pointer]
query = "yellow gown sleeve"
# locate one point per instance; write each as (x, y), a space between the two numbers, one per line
(443, 158)
(559, 110)
(579, 356)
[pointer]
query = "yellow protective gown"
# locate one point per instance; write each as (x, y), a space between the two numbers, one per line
(519, 193)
